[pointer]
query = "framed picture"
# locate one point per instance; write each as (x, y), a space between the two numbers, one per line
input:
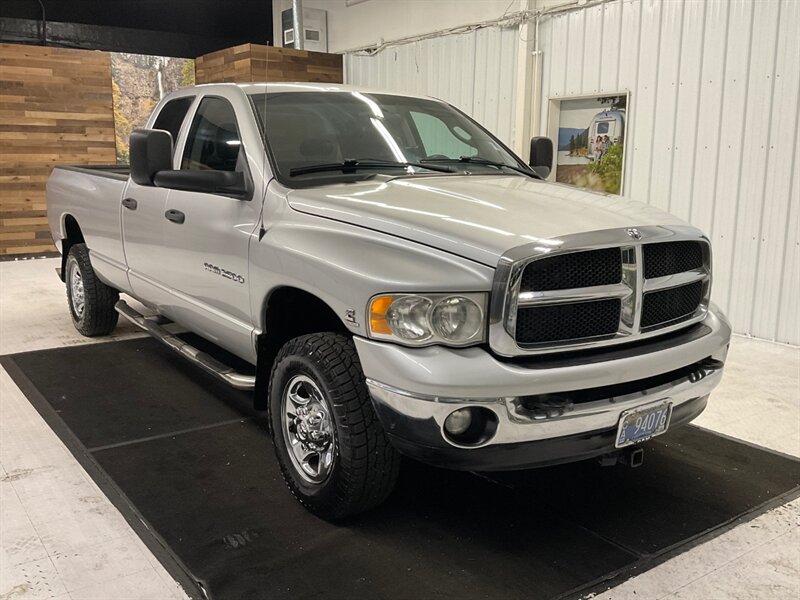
(589, 133)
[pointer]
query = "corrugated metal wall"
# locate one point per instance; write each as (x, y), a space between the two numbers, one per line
(713, 130)
(474, 71)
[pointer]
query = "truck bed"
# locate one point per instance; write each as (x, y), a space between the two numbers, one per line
(112, 171)
(89, 197)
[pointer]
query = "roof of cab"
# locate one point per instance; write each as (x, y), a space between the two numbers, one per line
(305, 86)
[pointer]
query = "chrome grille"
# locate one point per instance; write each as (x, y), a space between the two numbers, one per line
(601, 288)
(540, 324)
(573, 270)
(671, 257)
(672, 305)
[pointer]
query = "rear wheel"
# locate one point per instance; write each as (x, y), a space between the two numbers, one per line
(91, 302)
(332, 450)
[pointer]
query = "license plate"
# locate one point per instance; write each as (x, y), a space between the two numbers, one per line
(642, 423)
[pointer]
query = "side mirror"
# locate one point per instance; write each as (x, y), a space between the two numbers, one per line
(150, 152)
(541, 160)
(224, 183)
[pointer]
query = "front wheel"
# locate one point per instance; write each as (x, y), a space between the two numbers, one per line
(91, 302)
(331, 448)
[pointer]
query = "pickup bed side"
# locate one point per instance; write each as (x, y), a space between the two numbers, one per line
(83, 205)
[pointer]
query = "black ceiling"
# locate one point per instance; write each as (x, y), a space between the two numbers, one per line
(198, 26)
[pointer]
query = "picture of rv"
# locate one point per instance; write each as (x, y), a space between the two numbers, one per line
(606, 128)
(591, 134)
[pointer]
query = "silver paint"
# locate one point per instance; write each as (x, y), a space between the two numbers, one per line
(346, 243)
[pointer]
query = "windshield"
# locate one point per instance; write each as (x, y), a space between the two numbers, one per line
(307, 129)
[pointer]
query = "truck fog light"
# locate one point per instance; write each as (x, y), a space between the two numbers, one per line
(458, 421)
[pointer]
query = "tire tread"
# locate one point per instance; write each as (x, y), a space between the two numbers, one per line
(99, 315)
(367, 463)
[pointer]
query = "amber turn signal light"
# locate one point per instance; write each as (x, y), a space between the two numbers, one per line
(377, 314)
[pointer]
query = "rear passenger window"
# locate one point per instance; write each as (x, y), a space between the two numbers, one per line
(213, 141)
(172, 115)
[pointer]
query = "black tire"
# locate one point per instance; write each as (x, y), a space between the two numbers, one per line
(95, 316)
(364, 465)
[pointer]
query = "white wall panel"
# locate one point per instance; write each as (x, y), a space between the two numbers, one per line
(687, 109)
(712, 133)
(474, 71)
(750, 204)
(781, 199)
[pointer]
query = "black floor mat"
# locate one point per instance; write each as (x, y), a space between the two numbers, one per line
(190, 458)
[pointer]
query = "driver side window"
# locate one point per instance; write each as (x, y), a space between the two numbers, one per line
(213, 141)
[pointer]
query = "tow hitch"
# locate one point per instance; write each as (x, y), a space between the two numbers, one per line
(632, 457)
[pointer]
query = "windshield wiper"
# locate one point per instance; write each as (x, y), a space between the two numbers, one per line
(478, 160)
(350, 165)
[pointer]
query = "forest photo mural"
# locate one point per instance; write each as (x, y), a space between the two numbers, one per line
(139, 81)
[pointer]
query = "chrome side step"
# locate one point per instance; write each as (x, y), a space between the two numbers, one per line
(202, 359)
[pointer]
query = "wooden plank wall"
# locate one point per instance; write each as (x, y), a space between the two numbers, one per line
(224, 66)
(254, 62)
(288, 64)
(55, 107)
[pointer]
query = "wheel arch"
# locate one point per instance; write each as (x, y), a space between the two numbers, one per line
(289, 312)
(72, 235)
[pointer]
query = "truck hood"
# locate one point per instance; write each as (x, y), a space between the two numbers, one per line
(475, 216)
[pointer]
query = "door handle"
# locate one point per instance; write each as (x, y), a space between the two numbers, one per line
(175, 216)
(130, 203)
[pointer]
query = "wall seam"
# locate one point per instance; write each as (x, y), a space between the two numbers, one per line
(619, 37)
(720, 112)
(792, 176)
(741, 154)
(602, 9)
(766, 165)
(697, 110)
(630, 132)
(675, 109)
(655, 101)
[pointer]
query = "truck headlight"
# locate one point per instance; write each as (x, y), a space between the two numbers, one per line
(423, 319)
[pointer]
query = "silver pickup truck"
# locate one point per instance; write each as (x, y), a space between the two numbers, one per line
(401, 282)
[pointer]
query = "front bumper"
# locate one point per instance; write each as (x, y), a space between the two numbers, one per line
(415, 389)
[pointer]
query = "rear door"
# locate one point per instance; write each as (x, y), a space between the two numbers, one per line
(143, 218)
(205, 250)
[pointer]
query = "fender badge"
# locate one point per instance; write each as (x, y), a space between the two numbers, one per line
(634, 233)
(350, 317)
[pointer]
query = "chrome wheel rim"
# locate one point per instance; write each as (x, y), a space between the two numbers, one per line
(308, 430)
(77, 295)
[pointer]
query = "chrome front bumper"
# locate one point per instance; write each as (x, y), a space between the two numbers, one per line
(414, 390)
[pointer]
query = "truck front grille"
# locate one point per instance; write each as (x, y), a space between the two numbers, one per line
(573, 297)
(671, 257)
(670, 306)
(536, 325)
(573, 270)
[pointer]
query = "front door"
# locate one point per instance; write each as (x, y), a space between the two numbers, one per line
(206, 236)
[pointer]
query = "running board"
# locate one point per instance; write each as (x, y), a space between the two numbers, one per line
(202, 359)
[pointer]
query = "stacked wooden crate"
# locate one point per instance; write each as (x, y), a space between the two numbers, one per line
(55, 107)
(254, 62)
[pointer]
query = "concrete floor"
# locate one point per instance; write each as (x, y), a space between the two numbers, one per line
(60, 537)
